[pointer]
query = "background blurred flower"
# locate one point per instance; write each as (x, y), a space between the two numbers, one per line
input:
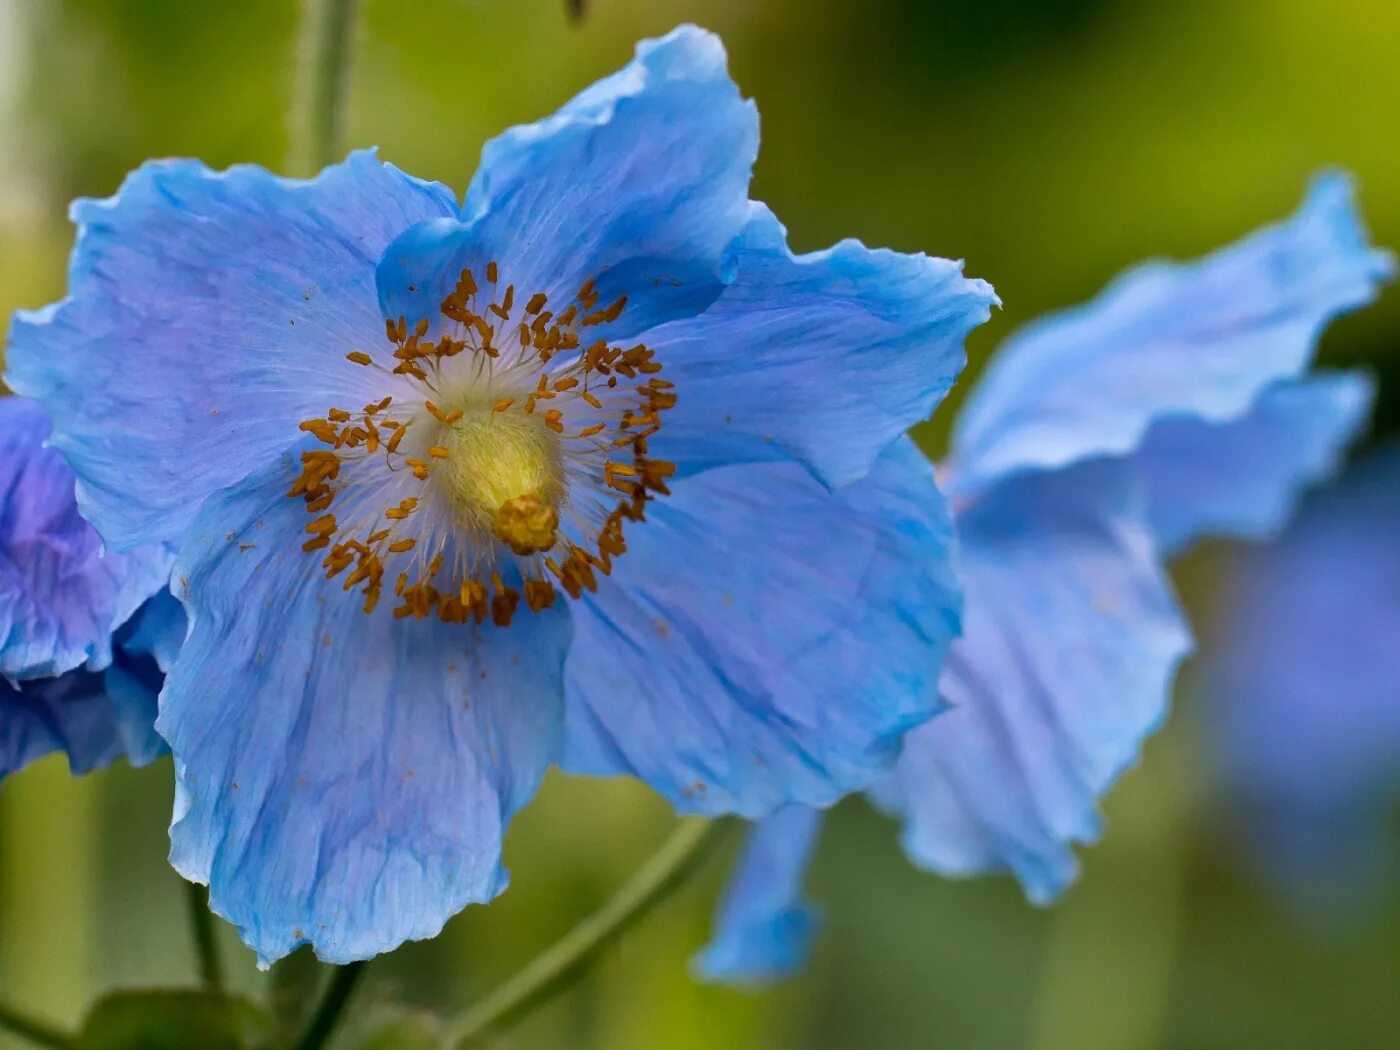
(1302, 692)
(77, 671)
(1100, 441)
(607, 318)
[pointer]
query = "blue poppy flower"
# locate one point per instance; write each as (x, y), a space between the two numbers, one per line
(1099, 442)
(594, 450)
(76, 671)
(1302, 692)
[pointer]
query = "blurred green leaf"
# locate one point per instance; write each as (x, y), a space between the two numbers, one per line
(172, 1019)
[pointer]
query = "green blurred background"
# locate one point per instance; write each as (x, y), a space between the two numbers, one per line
(1047, 142)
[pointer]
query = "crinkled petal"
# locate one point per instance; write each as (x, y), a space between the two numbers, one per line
(61, 594)
(639, 183)
(133, 688)
(145, 650)
(343, 779)
(763, 640)
(825, 358)
(765, 926)
(1242, 478)
(208, 313)
(1302, 688)
(1201, 340)
(1071, 637)
(157, 631)
(71, 713)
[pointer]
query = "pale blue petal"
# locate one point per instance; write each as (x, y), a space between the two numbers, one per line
(639, 183)
(1302, 689)
(763, 640)
(1242, 478)
(1071, 638)
(1200, 340)
(343, 780)
(765, 926)
(61, 595)
(208, 313)
(825, 358)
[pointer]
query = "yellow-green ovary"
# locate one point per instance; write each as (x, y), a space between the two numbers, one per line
(503, 476)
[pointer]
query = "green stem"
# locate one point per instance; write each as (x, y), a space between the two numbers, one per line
(206, 944)
(553, 969)
(41, 1033)
(294, 983)
(327, 39)
(328, 1014)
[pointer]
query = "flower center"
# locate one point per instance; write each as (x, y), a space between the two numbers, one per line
(503, 477)
(505, 460)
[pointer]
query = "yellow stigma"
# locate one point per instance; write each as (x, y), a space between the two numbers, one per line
(527, 524)
(502, 474)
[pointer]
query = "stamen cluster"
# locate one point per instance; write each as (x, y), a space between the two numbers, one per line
(508, 396)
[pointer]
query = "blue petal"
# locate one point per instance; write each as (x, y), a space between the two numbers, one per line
(825, 358)
(765, 927)
(1242, 478)
(1071, 637)
(61, 595)
(1201, 340)
(640, 183)
(763, 640)
(343, 780)
(1303, 689)
(236, 297)
(70, 713)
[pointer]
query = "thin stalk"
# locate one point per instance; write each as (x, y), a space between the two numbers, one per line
(40, 1033)
(555, 967)
(329, 1013)
(206, 944)
(293, 986)
(327, 42)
